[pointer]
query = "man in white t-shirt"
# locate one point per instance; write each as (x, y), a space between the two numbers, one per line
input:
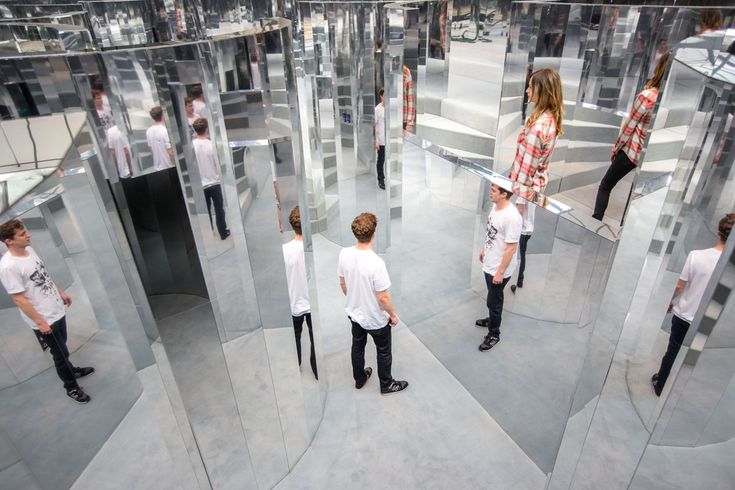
(689, 289)
(191, 116)
(41, 303)
(364, 280)
(498, 258)
(528, 214)
(158, 141)
(210, 174)
(298, 286)
(120, 148)
(380, 138)
(197, 95)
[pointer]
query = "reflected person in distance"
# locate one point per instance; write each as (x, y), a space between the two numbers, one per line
(628, 147)
(364, 279)
(41, 303)
(157, 138)
(211, 175)
(298, 286)
(689, 290)
(379, 130)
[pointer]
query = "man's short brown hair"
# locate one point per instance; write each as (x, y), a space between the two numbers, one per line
(200, 125)
(725, 226)
(8, 230)
(188, 100)
(363, 227)
(196, 90)
(295, 220)
(156, 113)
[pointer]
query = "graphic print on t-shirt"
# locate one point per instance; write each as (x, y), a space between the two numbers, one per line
(42, 280)
(490, 233)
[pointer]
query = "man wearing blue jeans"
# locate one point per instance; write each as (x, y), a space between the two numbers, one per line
(364, 280)
(498, 258)
(41, 303)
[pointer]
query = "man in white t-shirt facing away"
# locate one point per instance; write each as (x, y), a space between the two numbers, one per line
(298, 286)
(210, 174)
(380, 138)
(41, 303)
(158, 142)
(693, 280)
(120, 148)
(197, 95)
(498, 258)
(364, 280)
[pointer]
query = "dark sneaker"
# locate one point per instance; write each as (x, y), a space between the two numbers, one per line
(488, 343)
(78, 395)
(654, 378)
(368, 373)
(226, 235)
(394, 387)
(382, 186)
(80, 372)
(654, 382)
(482, 322)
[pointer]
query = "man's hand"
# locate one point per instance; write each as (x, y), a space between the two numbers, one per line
(377, 145)
(65, 297)
(409, 128)
(482, 255)
(670, 308)
(498, 278)
(394, 319)
(44, 327)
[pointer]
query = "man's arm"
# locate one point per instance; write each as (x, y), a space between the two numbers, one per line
(343, 285)
(386, 304)
(129, 160)
(680, 285)
(62, 294)
(22, 302)
(508, 254)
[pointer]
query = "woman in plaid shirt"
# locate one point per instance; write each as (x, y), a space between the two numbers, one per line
(628, 147)
(536, 142)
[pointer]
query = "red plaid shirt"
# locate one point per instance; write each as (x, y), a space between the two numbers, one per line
(530, 169)
(635, 129)
(409, 109)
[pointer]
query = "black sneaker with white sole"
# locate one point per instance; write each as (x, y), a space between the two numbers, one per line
(488, 343)
(78, 395)
(368, 373)
(394, 387)
(80, 372)
(482, 322)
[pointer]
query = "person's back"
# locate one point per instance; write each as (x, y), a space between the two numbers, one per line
(208, 170)
(159, 143)
(365, 274)
(697, 271)
(298, 287)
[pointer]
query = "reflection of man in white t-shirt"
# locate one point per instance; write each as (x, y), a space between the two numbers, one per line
(40, 301)
(690, 288)
(158, 141)
(498, 258)
(210, 174)
(298, 286)
(364, 280)
(120, 148)
(380, 138)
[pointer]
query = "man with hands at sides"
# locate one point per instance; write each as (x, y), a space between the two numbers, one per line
(364, 279)
(498, 258)
(41, 303)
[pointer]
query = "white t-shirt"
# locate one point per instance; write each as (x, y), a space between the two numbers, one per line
(365, 274)
(117, 142)
(298, 286)
(200, 108)
(28, 274)
(528, 215)
(380, 124)
(696, 272)
(503, 227)
(158, 142)
(207, 163)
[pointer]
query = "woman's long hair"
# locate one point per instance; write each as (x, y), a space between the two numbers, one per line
(658, 74)
(546, 89)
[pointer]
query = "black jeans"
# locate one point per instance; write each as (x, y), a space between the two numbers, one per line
(213, 195)
(522, 245)
(298, 325)
(382, 339)
(381, 164)
(495, 298)
(56, 341)
(679, 329)
(618, 169)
